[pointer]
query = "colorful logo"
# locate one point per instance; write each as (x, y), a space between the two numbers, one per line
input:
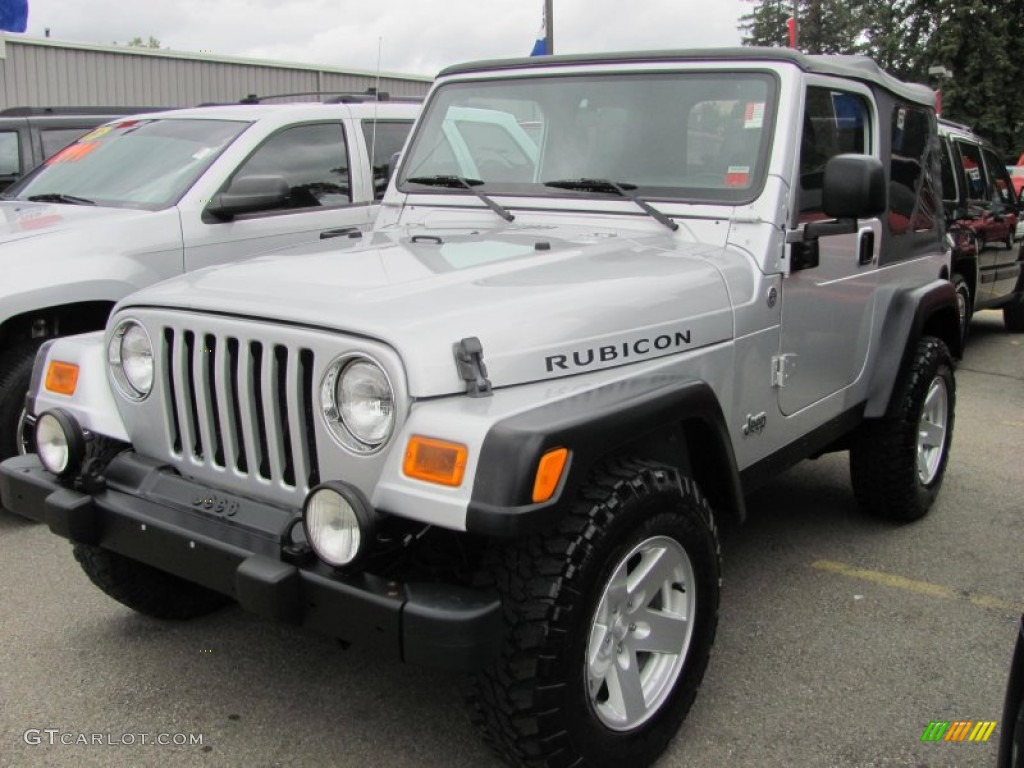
(958, 730)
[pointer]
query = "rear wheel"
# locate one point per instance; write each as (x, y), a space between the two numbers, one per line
(897, 462)
(964, 304)
(1013, 316)
(609, 625)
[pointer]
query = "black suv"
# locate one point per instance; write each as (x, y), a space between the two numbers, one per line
(981, 216)
(29, 135)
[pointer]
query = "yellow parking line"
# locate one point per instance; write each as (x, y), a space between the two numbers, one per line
(920, 587)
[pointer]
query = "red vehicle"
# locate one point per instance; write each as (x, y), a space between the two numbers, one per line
(982, 210)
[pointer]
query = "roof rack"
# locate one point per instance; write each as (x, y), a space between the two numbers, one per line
(44, 111)
(336, 97)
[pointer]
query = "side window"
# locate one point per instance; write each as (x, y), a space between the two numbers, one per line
(949, 189)
(55, 139)
(835, 123)
(974, 179)
(10, 164)
(912, 199)
(1000, 186)
(312, 159)
(383, 141)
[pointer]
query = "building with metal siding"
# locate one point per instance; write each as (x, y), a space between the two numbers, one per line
(49, 73)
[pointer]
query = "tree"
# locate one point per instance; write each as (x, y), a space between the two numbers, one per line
(979, 41)
(138, 42)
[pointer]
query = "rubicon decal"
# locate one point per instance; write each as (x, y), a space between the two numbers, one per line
(958, 730)
(648, 346)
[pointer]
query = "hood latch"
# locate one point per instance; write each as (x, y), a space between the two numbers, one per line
(469, 357)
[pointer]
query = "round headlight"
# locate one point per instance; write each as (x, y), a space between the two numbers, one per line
(339, 523)
(60, 442)
(358, 404)
(130, 354)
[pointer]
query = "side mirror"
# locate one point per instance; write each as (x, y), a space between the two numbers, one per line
(854, 187)
(249, 194)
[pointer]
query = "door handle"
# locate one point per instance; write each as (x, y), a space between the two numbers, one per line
(866, 247)
(327, 234)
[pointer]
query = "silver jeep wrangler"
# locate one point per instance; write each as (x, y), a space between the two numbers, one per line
(497, 434)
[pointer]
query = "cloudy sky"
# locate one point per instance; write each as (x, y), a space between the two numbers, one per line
(414, 36)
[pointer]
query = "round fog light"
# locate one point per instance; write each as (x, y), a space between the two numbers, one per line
(60, 442)
(340, 524)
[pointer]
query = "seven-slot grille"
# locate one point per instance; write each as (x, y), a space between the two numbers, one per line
(241, 404)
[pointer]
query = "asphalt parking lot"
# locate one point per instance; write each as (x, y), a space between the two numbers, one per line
(840, 638)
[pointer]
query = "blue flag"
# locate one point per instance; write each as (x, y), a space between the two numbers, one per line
(13, 15)
(540, 48)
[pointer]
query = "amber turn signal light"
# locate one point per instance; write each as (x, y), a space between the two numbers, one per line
(549, 473)
(435, 461)
(61, 378)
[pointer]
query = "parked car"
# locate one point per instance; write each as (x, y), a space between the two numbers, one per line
(500, 433)
(150, 196)
(1011, 728)
(982, 214)
(29, 135)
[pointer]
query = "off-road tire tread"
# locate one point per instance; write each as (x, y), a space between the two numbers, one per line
(883, 467)
(511, 713)
(146, 589)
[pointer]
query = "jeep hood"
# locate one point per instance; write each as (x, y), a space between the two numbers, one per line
(544, 302)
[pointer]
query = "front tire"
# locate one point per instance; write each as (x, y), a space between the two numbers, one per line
(897, 462)
(15, 375)
(610, 620)
(144, 588)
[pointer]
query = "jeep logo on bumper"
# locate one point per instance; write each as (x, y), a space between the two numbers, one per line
(583, 358)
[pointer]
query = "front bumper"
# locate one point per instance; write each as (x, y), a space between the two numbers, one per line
(238, 547)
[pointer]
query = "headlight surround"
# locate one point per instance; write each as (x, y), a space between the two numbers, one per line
(60, 442)
(130, 357)
(358, 403)
(339, 523)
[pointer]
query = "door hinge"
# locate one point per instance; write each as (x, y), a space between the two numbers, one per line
(782, 368)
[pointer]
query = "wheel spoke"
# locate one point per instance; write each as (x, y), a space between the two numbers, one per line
(930, 435)
(934, 403)
(625, 691)
(659, 632)
(655, 571)
(923, 468)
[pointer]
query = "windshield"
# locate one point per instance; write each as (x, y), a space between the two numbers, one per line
(697, 136)
(144, 164)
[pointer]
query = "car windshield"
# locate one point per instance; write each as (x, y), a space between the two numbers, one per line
(696, 136)
(145, 164)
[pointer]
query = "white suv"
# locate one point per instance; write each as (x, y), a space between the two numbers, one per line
(144, 198)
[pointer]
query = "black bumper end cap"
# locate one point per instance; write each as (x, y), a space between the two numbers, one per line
(451, 627)
(24, 486)
(269, 588)
(72, 515)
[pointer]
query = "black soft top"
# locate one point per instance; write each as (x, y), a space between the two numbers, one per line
(854, 67)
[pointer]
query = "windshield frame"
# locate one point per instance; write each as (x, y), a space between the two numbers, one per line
(687, 195)
(18, 192)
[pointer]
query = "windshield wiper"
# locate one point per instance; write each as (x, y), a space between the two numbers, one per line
(461, 182)
(616, 188)
(60, 197)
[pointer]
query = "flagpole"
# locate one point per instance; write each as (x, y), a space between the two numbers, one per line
(549, 25)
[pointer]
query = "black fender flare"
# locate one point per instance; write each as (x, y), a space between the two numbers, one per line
(594, 425)
(926, 310)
